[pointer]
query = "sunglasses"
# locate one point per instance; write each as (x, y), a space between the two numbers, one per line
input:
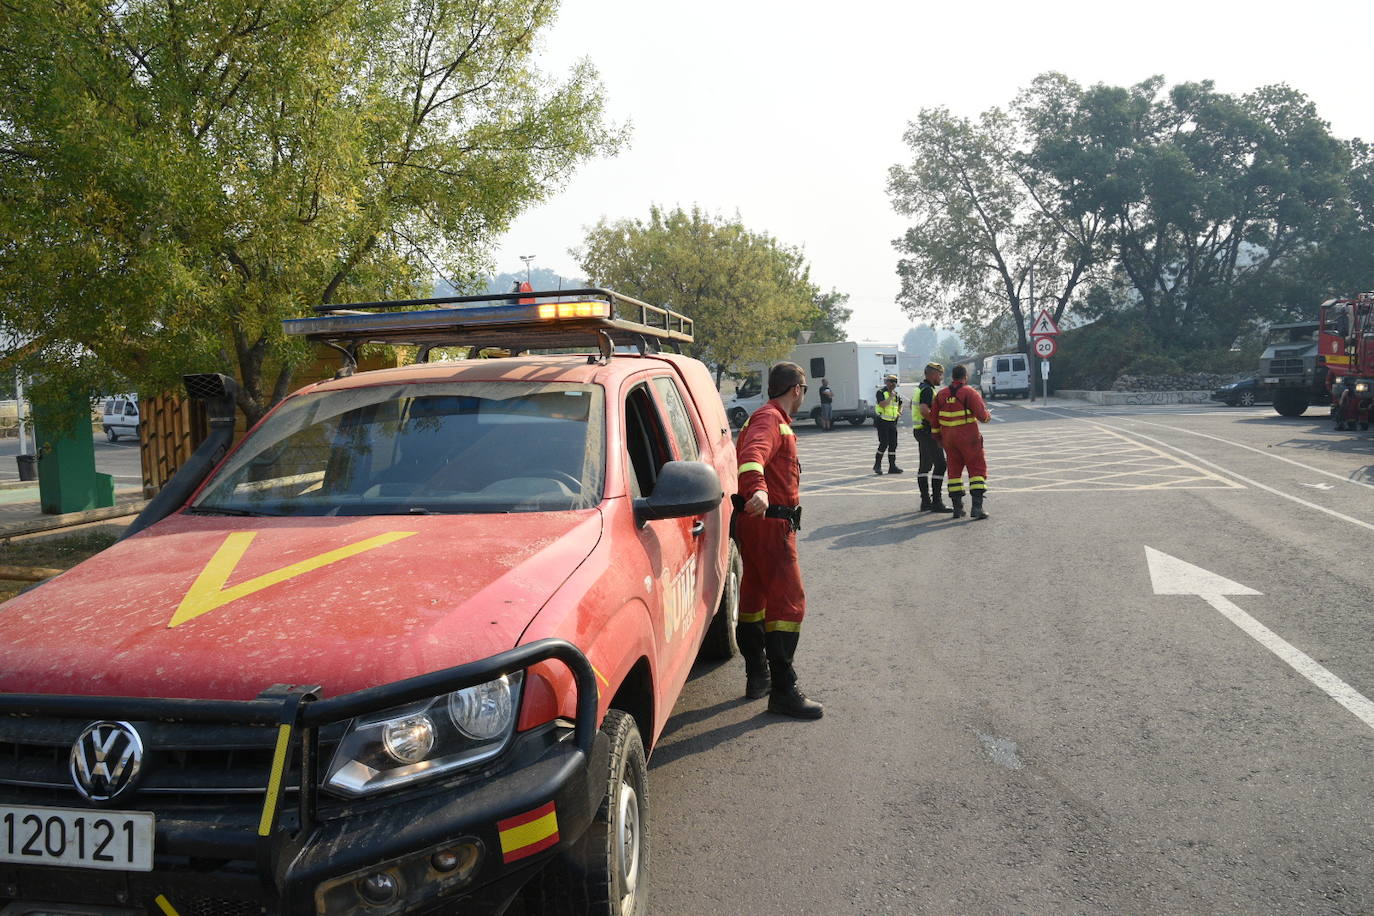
(802, 387)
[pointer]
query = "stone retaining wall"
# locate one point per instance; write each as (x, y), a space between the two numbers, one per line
(1118, 398)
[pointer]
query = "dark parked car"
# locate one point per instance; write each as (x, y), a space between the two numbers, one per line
(1244, 393)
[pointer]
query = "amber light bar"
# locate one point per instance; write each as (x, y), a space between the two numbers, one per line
(586, 309)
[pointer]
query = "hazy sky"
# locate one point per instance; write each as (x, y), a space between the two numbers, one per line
(791, 113)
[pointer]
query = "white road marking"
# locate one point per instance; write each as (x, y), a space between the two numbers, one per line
(1318, 486)
(1259, 451)
(1172, 576)
(1241, 477)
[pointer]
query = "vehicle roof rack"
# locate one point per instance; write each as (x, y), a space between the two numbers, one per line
(515, 321)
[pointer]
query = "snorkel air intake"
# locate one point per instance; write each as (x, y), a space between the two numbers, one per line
(218, 392)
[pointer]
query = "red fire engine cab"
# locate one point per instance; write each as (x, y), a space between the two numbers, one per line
(1346, 340)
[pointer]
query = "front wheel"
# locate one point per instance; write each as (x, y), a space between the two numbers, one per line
(857, 420)
(111, 435)
(1246, 399)
(606, 870)
(1290, 403)
(738, 416)
(720, 644)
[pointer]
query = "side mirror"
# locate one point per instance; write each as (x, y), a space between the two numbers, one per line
(683, 488)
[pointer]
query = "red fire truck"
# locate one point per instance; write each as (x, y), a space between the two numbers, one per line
(1346, 340)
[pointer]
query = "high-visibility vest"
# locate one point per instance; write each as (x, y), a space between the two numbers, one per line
(888, 408)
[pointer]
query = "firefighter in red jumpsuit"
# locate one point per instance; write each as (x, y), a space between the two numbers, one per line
(955, 415)
(767, 518)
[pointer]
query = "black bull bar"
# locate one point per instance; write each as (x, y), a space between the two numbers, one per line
(299, 714)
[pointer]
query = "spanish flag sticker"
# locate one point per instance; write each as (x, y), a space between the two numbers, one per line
(528, 833)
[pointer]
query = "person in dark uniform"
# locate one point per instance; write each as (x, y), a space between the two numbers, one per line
(827, 404)
(767, 518)
(887, 411)
(930, 476)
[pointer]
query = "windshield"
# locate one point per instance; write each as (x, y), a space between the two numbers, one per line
(416, 449)
(1301, 334)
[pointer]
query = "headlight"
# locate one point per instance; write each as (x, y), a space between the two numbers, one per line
(1362, 388)
(420, 740)
(484, 711)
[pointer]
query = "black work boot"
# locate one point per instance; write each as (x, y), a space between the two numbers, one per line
(937, 504)
(784, 698)
(749, 637)
(958, 500)
(892, 463)
(977, 511)
(924, 486)
(878, 463)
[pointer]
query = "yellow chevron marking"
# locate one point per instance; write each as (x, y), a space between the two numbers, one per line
(208, 591)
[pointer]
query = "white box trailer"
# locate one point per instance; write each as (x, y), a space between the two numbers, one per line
(855, 372)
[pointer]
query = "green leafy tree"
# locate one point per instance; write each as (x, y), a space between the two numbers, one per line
(1208, 197)
(989, 230)
(176, 178)
(747, 293)
(831, 316)
(920, 341)
(946, 351)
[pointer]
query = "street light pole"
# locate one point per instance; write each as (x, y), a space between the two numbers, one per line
(528, 259)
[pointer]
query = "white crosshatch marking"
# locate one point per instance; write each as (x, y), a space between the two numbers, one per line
(1027, 457)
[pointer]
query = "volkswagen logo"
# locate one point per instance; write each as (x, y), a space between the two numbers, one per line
(106, 759)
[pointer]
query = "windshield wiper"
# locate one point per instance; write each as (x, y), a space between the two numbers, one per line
(226, 510)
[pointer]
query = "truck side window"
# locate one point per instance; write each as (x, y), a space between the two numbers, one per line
(645, 439)
(1004, 365)
(130, 409)
(818, 367)
(678, 418)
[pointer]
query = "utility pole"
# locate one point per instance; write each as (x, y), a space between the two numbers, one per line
(528, 259)
(1031, 311)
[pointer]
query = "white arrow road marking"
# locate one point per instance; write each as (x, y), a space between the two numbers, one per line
(1318, 486)
(1171, 576)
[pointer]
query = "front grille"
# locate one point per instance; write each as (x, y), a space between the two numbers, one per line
(179, 758)
(217, 906)
(1293, 366)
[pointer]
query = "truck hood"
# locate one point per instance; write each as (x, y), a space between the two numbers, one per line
(223, 608)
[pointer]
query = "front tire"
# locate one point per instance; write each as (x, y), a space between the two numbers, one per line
(737, 417)
(111, 435)
(720, 644)
(1246, 399)
(1290, 403)
(605, 872)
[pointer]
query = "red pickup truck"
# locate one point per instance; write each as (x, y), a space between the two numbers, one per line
(405, 648)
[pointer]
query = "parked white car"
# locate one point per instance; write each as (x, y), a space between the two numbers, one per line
(120, 417)
(1005, 375)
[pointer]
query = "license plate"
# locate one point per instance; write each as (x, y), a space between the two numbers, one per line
(77, 837)
(1271, 381)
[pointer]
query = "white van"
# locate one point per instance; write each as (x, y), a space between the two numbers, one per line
(855, 372)
(1005, 375)
(120, 417)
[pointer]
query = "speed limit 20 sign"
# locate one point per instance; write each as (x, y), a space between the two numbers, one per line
(1045, 347)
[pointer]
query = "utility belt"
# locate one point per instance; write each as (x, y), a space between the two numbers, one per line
(792, 514)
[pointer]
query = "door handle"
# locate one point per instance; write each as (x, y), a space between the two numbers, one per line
(698, 528)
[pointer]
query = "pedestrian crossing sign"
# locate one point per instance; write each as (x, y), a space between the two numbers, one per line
(1044, 325)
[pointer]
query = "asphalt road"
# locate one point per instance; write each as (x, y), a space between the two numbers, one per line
(1016, 722)
(121, 459)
